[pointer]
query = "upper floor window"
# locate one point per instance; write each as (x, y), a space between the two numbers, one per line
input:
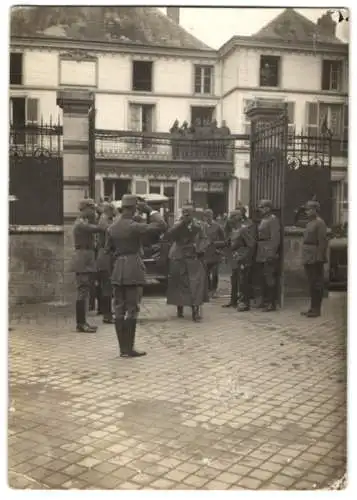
(331, 75)
(142, 76)
(16, 62)
(203, 79)
(269, 71)
(322, 116)
(202, 115)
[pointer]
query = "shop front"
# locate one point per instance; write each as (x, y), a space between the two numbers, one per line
(211, 194)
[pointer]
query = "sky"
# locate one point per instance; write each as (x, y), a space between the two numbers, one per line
(214, 26)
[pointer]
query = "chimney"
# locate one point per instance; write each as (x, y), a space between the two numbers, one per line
(326, 25)
(174, 14)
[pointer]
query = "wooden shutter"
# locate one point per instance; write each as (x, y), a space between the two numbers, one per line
(345, 122)
(141, 186)
(291, 113)
(32, 110)
(325, 75)
(135, 117)
(184, 192)
(312, 118)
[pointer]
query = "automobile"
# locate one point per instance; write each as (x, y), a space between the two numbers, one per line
(338, 263)
(155, 247)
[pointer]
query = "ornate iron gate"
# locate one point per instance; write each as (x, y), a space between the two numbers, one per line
(36, 174)
(288, 169)
(268, 162)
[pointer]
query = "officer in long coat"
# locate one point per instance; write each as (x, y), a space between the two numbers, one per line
(104, 263)
(215, 236)
(267, 257)
(124, 242)
(314, 256)
(243, 245)
(83, 263)
(187, 281)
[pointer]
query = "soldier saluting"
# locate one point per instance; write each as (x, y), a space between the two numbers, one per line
(124, 241)
(267, 256)
(314, 256)
(83, 263)
(104, 263)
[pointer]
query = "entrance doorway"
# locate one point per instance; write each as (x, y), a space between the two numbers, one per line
(213, 195)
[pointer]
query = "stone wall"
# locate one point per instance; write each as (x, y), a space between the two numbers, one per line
(35, 267)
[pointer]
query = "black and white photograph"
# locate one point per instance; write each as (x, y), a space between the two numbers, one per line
(178, 214)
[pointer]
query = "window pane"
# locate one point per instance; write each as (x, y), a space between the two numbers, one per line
(155, 188)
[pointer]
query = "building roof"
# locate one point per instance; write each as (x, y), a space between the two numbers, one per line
(290, 26)
(138, 25)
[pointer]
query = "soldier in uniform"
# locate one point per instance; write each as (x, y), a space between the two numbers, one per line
(187, 283)
(243, 245)
(314, 257)
(267, 257)
(83, 263)
(215, 237)
(124, 239)
(231, 225)
(104, 263)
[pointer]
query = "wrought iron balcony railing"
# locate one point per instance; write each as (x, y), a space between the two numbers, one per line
(161, 146)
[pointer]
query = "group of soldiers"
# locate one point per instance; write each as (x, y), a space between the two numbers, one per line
(205, 140)
(254, 257)
(109, 249)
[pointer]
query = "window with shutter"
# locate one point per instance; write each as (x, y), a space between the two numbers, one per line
(32, 111)
(331, 75)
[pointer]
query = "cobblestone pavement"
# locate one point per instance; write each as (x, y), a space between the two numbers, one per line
(241, 401)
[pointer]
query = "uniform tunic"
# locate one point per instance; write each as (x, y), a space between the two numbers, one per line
(314, 256)
(83, 262)
(124, 243)
(268, 252)
(104, 263)
(187, 281)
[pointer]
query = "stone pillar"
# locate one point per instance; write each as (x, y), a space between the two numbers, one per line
(77, 175)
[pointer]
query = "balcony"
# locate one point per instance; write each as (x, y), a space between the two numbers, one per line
(161, 147)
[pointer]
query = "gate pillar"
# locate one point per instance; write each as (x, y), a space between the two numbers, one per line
(77, 164)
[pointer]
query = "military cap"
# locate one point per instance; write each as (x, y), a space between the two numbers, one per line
(313, 204)
(86, 203)
(128, 200)
(265, 203)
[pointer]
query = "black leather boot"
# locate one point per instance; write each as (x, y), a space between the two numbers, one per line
(196, 314)
(271, 306)
(82, 325)
(107, 310)
(121, 336)
(131, 331)
(316, 301)
(180, 311)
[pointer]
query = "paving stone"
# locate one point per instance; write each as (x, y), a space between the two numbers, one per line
(100, 424)
(249, 483)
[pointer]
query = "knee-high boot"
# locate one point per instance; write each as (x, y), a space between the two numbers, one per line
(131, 332)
